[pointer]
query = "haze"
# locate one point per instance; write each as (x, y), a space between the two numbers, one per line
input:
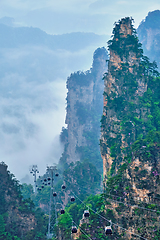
(33, 78)
(64, 16)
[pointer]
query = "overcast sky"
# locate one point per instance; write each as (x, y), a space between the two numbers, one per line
(65, 16)
(32, 113)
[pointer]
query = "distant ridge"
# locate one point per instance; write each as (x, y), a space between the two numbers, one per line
(11, 37)
(149, 35)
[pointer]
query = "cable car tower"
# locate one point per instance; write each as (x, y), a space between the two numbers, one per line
(34, 171)
(51, 171)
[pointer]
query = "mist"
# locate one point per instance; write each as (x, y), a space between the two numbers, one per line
(32, 95)
(66, 16)
(35, 66)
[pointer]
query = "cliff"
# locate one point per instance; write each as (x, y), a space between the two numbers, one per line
(123, 84)
(16, 215)
(130, 137)
(84, 110)
(149, 35)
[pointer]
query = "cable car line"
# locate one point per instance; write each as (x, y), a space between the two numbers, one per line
(71, 219)
(133, 205)
(126, 197)
(136, 196)
(123, 196)
(86, 189)
(112, 222)
(158, 211)
(124, 204)
(78, 226)
(83, 232)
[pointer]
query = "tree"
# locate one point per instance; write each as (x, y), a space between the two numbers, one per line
(2, 227)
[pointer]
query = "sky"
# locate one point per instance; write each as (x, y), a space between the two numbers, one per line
(65, 16)
(32, 113)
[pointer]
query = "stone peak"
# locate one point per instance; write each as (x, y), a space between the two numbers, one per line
(123, 27)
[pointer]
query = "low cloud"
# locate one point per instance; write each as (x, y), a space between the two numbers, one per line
(30, 126)
(32, 109)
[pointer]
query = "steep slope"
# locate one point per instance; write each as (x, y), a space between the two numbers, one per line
(149, 35)
(19, 219)
(130, 137)
(124, 82)
(84, 108)
(17, 214)
(34, 66)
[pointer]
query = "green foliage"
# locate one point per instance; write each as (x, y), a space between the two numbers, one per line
(64, 224)
(123, 45)
(82, 178)
(131, 127)
(2, 228)
(15, 209)
(27, 190)
(137, 116)
(82, 112)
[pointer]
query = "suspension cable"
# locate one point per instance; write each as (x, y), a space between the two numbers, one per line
(123, 203)
(78, 226)
(109, 220)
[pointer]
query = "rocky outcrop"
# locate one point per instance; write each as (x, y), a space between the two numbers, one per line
(149, 35)
(122, 71)
(84, 109)
(129, 140)
(19, 218)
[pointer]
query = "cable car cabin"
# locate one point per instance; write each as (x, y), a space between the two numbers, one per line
(86, 213)
(108, 230)
(72, 199)
(74, 229)
(63, 187)
(56, 174)
(54, 194)
(62, 211)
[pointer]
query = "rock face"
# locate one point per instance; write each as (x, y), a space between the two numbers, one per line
(130, 139)
(149, 35)
(18, 218)
(84, 109)
(122, 70)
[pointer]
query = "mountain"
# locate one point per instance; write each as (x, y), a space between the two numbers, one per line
(33, 72)
(130, 147)
(130, 137)
(18, 217)
(84, 109)
(16, 214)
(130, 141)
(149, 35)
(12, 37)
